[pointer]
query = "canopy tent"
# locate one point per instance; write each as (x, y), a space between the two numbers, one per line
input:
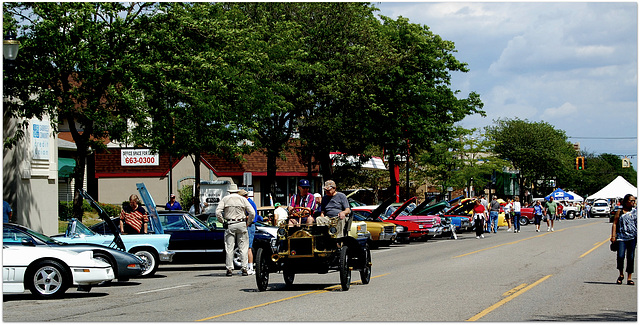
(373, 163)
(561, 195)
(618, 188)
(576, 197)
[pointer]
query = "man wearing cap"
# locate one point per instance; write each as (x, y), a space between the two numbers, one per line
(334, 205)
(303, 199)
(239, 214)
(173, 204)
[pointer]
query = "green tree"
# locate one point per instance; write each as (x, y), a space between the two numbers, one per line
(536, 149)
(71, 69)
(415, 107)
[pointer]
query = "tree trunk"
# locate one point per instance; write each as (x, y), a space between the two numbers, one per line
(78, 177)
(196, 196)
(272, 168)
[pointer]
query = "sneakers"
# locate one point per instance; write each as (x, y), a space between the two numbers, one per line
(251, 272)
(548, 228)
(551, 229)
(244, 272)
(477, 237)
(229, 272)
(537, 230)
(481, 236)
(510, 230)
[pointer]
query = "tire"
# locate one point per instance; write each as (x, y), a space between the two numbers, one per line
(150, 262)
(48, 279)
(571, 215)
(365, 272)
(289, 276)
(103, 257)
(345, 272)
(237, 258)
(262, 270)
(523, 220)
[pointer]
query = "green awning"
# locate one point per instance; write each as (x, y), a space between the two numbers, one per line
(66, 166)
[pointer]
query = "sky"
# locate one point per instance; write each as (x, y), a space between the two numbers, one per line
(573, 65)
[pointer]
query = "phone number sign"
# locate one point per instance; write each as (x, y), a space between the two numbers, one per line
(138, 157)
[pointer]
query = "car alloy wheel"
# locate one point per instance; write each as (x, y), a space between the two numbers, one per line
(49, 280)
(150, 262)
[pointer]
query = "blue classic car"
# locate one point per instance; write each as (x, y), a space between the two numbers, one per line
(152, 248)
(125, 265)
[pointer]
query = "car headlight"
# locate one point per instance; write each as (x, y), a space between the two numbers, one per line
(282, 232)
(399, 228)
(333, 230)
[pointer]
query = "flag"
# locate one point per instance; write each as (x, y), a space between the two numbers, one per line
(135, 219)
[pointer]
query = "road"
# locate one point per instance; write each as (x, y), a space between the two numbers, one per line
(566, 275)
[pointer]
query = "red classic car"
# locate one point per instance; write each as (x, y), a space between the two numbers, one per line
(419, 227)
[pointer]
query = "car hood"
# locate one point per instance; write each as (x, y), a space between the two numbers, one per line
(402, 208)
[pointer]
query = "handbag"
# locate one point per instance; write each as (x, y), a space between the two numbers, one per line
(614, 246)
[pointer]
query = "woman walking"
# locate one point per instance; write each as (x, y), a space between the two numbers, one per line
(537, 215)
(478, 218)
(624, 232)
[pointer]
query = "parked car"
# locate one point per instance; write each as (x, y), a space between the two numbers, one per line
(382, 233)
(600, 207)
(419, 227)
(366, 211)
(526, 216)
(125, 265)
(615, 210)
(48, 272)
(152, 248)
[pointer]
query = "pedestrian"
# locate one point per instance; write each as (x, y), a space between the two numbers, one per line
(478, 218)
(173, 204)
(538, 211)
(133, 217)
(507, 214)
(550, 212)
(587, 210)
(486, 212)
(238, 214)
(251, 230)
(334, 205)
(280, 214)
(7, 213)
(516, 214)
(494, 210)
(624, 232)
(303, 199)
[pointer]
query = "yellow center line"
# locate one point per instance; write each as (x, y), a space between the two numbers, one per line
(284, 299)
(594, 248)
(514, 290)
(505, 300)
(521, 240)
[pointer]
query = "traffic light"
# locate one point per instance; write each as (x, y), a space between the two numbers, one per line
(580, 163)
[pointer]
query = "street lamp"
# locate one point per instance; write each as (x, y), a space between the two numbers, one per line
(10, 47)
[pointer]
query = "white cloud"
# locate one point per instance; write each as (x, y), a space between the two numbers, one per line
(567, 110)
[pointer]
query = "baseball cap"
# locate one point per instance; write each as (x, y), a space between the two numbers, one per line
(277, 205)
(329, 184)
(317, 195)
(172, 195)
(304, 183)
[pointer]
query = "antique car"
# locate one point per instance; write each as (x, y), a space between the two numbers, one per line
(48, 272)
(152, 248)
(382, 233)
(314, 249)
(125, 265)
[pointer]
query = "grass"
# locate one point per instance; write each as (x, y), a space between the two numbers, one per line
(88, 219)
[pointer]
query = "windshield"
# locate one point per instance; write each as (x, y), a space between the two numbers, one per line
(40, 236)
(599, 204)
(81, 229)
(361, 215)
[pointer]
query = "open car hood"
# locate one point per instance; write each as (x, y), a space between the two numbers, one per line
(105, 217)
(402, 208)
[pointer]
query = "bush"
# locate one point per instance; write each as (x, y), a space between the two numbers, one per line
(185, 197)
(111, 209)
(65, 209)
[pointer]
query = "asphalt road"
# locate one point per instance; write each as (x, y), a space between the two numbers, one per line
(566, 275)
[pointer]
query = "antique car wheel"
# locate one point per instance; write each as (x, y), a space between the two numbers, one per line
(365, 272)
(289, 276)
(150, 262)
(48, 279)
(345, 272)
(262, 270)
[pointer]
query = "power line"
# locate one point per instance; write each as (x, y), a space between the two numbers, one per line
(606, 138)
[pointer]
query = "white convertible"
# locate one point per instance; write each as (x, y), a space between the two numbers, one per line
(49, 272)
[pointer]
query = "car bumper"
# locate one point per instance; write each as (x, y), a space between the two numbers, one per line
(91, 275)
(387, 236)
(167, 256)
(435, 231)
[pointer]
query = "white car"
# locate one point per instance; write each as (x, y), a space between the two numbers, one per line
(49, 272)
(600, 207)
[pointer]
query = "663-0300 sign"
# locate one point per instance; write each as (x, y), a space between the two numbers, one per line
(138, 157)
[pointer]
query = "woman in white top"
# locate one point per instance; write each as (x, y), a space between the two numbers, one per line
(516, 215)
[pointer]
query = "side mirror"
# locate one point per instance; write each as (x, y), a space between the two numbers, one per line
(27, 242)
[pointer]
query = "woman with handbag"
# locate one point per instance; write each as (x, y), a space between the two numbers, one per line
(624, 232)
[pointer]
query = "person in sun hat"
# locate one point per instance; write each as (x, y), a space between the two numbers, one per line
(238, 214)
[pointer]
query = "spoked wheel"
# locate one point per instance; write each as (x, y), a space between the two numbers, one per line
(150, 260)
(289, 276)
(49, 279)
(262, 270)
(365, 272)
(345, 272)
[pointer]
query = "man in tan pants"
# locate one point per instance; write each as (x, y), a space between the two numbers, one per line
(238, 214)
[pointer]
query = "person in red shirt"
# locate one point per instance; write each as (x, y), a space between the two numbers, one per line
(478, 217)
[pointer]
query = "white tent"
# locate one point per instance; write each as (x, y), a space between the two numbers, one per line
(576, 197)
(618, 188)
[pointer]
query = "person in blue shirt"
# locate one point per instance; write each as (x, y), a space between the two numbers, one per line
(537, 215)
(173, 204)
(7, 213)
(252, 231)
